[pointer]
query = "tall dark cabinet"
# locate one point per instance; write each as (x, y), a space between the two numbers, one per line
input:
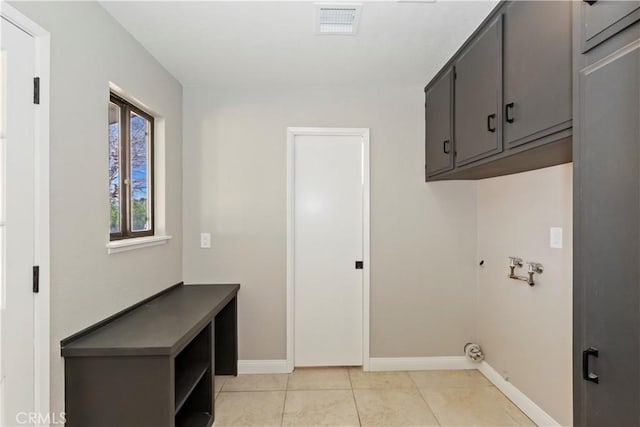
(607, 214)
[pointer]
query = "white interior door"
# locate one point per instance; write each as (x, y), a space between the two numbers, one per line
(328, 240)
(17, 191)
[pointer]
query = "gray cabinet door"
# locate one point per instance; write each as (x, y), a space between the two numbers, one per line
(537, 70)
(439, 125)
(604, 18)
(607, 289)
(478, 83)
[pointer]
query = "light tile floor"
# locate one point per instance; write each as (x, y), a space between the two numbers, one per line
(351, 397)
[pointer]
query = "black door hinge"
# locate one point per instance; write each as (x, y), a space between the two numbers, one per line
(36, 90)
(36, 279)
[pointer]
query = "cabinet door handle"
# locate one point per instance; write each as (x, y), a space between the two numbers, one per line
(587, 375)
(489, 118)
(507, 109)
(445, 147)
(590, 2)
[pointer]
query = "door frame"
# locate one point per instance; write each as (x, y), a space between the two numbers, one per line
(42, 347)
(292, 132)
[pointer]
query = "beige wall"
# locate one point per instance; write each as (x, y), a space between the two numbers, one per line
(526, 331)
(89, 49)
(423, 236)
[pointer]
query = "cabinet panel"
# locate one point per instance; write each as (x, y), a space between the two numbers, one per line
(607, 290)
(109, 391)
(439, 125)
(478, 97)
(604, 18)
(537, 70)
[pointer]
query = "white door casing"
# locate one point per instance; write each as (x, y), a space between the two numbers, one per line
(328, 231)
(24, 171)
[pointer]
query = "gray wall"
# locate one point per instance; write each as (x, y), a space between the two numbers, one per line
(423, 237)
(89, 49)
(526, 331)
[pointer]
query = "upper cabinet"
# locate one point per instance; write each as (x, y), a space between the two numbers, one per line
(537, 70)
(477, 97)
(512, 94)
(439, 135)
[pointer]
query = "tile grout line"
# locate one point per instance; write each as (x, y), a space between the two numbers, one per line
(515, 422)
(217, 393)
(424, 399)
(284, 401)
(412, 380)
(353, 394)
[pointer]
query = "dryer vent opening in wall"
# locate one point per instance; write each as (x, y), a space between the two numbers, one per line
(337, 19)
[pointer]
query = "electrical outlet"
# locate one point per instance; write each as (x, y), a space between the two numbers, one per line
(205, 240)
(555, 237)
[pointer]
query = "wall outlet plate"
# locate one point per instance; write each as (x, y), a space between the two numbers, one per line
(555, 237)
(205, 240)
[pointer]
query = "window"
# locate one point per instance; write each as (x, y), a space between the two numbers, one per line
(130, 170)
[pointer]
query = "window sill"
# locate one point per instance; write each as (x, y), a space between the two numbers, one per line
(117, 246)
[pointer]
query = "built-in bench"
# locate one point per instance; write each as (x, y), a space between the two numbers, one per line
(153, 364)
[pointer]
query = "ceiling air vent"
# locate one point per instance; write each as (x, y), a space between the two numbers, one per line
(339, 18)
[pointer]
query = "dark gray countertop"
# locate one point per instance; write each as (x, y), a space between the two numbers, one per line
(162, 326)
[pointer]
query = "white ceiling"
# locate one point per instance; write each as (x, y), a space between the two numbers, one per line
(265, 43)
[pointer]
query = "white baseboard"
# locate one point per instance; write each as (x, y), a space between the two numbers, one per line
(526, 405)
(375, 364)
(420, 363)
(263, 367)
